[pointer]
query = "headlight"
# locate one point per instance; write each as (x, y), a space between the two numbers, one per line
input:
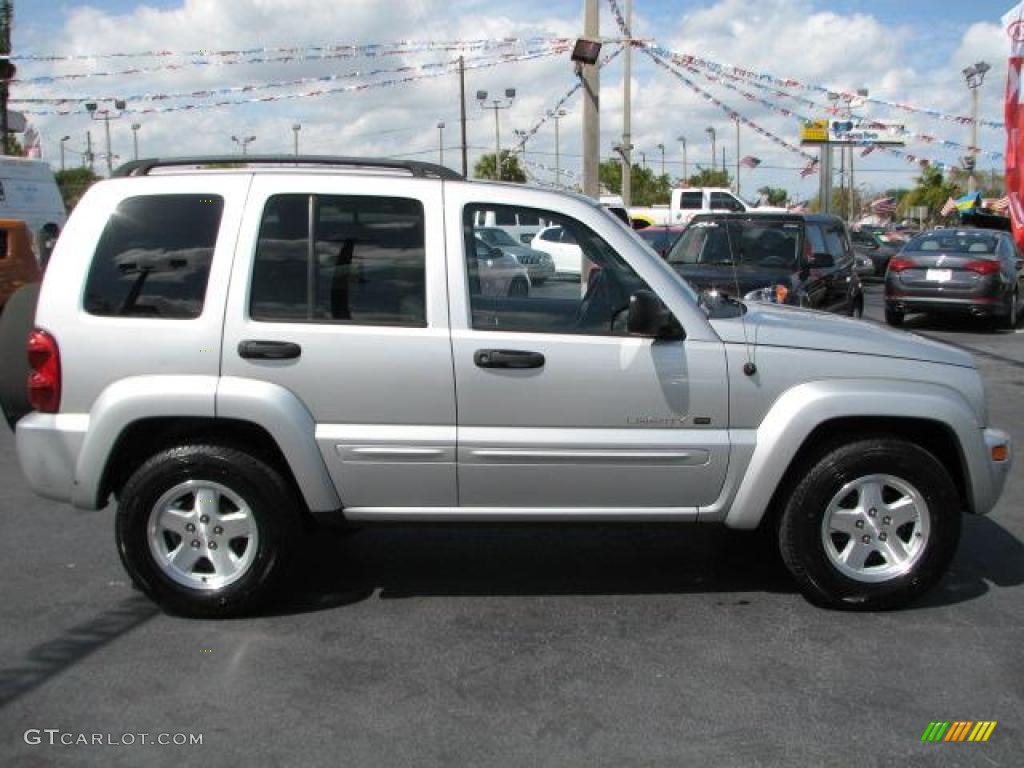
(772, 294)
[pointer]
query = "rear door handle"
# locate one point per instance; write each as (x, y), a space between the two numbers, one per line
(507, 358)
(268, 350)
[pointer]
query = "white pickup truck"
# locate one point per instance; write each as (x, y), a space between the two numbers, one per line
(688, 202)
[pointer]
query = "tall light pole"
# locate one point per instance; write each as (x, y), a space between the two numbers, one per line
(440, 142)
(62, 140)
(686, 173)
(295, 137)
(105, 114)
(556, 116)
(711, 132)
(737, 156)
(521, 136)
(643, 159)
(627, 108)
(135, 140)
(585, 54)
(661, 148)
(497, 105)
(975, 75)
(243, 142)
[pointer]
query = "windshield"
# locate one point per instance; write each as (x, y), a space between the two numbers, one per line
(744, 242)
(954, 242)
(497, 237)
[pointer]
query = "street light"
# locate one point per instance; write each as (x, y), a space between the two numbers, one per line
(106, 116)
(711, 132)
(497, 105)
(295, 130)
(135, 140)
(975, 76)
(661, 147)
(62, 140)
(682, 140)
(440, 142)
(643, 159)
(243, 142)
(521, 136)
(556, 116)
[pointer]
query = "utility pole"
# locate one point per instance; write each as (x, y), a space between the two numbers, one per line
(556, 116)
(686, 173)
(714, 151)
(7, 69)
(62, 140)
(661, 148)
(825, 179)
(737, 156)
(135, 141)
(440, 143)
(295, 129)
(462, 107)
(627, 95)
(591, 106)
(88, 151)
(723, 159)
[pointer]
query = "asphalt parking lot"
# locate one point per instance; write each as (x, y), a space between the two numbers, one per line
(613, 646)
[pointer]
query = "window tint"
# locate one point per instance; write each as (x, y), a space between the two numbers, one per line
(816, 238)
(834, 241)
(153, 258)
(691, 201)
(764, 242)
(552, 235)
(502, 298)
(720, 201)
(362, 263)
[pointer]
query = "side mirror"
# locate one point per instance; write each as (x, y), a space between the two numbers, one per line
(648, 316)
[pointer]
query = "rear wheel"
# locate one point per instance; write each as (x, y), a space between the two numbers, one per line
(872, 524)
(206, 530)
(893, 317)
(16, 321)
(1009, 320)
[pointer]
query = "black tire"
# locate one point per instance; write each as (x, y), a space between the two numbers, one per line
(1009, 320)
(800, 528)
(857, 306)
(268, 495)
(893, 317)
(16, 321)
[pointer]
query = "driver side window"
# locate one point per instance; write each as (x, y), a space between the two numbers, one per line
(513, 289)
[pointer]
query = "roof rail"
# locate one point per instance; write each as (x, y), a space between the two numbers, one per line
(414, 167)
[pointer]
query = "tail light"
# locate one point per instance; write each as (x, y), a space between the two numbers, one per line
(983, 267)
(44, 379)
(898, 265)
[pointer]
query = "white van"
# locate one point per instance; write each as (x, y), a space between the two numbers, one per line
(28, 191)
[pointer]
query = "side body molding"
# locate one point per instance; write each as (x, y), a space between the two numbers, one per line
(124, 402)
(801, 409)
(291, 425)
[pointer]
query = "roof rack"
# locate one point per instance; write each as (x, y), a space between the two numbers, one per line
(416, 168)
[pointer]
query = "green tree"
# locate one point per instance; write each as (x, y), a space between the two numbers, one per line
(73, 182)
(775, 196)
(932, 190)
(510, 168)
(645, 188)
(710, 177)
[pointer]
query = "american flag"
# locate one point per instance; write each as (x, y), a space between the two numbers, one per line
(810, 169)
(884, 206)
(1001, 205)
(750, 161)
(867, 150)
(949, 208)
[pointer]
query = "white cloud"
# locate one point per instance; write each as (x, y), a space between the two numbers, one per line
(782, 37)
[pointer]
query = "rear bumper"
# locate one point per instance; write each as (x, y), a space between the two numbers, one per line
(979, 306)
(48, 447)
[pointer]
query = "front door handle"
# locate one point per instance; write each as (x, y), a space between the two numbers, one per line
(268, 350)
(507, 358)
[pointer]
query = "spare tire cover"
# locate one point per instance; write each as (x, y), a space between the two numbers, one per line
(16, 322)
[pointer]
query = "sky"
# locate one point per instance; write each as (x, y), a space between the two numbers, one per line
(910, 51)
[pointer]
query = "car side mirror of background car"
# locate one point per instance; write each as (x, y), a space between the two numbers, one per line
(648, 316)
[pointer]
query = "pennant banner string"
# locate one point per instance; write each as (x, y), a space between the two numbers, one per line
(207, 93)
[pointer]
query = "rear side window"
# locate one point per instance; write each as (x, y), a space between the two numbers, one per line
(153, 258)
(691, 201)
(340, 259)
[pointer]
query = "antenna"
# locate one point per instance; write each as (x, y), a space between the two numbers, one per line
(749, 367)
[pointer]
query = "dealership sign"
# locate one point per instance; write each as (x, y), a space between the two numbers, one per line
(860, 132)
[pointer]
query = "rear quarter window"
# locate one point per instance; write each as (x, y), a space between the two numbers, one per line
(153, 257)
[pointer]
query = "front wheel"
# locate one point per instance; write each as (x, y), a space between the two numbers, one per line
(857, 307)
(872, 524)
(206, 530)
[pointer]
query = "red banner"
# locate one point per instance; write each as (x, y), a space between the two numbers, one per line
(1013, 23)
